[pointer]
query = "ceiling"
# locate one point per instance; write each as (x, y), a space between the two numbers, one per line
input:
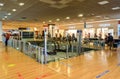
(45, 10)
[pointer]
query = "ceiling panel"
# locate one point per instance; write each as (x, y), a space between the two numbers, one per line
(44, 10)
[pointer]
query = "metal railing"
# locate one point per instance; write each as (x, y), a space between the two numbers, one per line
(37, 52)
(33, 51)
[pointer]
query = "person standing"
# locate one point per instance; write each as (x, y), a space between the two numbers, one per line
(7, 36)
(73, 37)
(106, 39)
(110, 40)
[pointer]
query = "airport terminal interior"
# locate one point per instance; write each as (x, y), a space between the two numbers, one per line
(59, 39)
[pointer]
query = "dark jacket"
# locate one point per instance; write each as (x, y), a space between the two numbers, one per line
(110, 38)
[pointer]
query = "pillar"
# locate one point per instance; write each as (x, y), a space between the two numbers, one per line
(1, 31)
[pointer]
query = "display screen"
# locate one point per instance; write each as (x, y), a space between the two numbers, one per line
(27, 34)
(22, 28)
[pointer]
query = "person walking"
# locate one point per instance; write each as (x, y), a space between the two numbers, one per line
(110, 40)
(7, 36)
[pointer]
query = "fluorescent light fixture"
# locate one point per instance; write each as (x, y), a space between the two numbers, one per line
(9, 14)
(13, 10)
(58, 19)
(115, 8)
(21, 4)
(103, 2)
(1, 4)
(67, 17)
(80, 15)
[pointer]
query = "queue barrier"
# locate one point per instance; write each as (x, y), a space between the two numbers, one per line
(38, 53)
(33, 51)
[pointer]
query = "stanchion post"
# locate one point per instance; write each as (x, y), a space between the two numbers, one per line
(67, 51)
(45, 46)
(42, 56)
(72, 48)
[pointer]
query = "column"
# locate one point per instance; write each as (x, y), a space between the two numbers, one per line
(1, 31)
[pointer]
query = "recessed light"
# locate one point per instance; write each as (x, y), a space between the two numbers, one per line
(1, 4)
(115, 8)
(103, 2)
(98, 16)
(13, 10)
(21, 4)
(3, 18)
(6, 16)
(67, 17)
(58, 19)
(43, 22)
(9, 14)
(50, 20)
(80, 15)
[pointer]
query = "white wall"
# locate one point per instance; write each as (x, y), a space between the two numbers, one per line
(0, 31)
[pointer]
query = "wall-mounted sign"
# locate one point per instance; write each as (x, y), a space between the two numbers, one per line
(89, 26)
(72, 27)
(104, 25)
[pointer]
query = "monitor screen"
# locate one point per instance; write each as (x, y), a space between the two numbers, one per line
(27, 34)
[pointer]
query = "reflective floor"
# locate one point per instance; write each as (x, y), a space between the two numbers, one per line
(104, 64)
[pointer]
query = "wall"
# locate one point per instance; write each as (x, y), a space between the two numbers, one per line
(110, 24)
(77, 26)
(16, 24)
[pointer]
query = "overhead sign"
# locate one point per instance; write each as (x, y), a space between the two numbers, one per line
(89, 26)
(72, 27)
(104, 25)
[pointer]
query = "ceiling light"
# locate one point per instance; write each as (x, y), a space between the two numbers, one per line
(50, 20)
(3, 18)
(43, 22)
(13, 10)
(80, 15)
(98, 16)
(58, 19)
(103, 2)
(1, 4)
(9, 14)
(115, 8)
(67, 17)
(6, 16)
(21, 4)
